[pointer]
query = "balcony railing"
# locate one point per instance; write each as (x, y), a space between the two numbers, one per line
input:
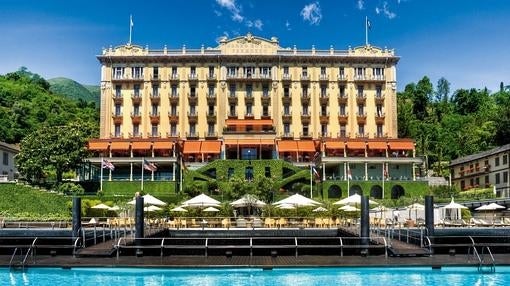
(173, 134)
(117, 135)
(211, 76)
(192, 134)
(305, 77)
(174, 77)
(323, 77)
(342, 77)
(286, 77)
(154, 134)
(193, 76)
(136, 98)
(289, 134)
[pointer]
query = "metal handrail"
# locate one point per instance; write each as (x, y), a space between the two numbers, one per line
(12, 257)
(493, 261)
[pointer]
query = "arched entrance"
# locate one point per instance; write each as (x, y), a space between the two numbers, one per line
(355, 189)
(397, 191)
(334, 191)
(376, 192)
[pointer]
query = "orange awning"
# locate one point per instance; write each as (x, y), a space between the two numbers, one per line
(356, 145)
(335, 145)
(402, 145)
(287, 146)
(210, 147)
(98, 146)
(191, 147)
(244, 122)
(141, 145)
(248, 141)
(162, 145)
(306, 146)
(119, 145)
(230, 141)
(377, 145)
(266, 141)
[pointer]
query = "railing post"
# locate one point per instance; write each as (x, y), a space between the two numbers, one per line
(76, 217)
(365, 222)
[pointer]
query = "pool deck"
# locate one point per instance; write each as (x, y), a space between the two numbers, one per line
(256, 261)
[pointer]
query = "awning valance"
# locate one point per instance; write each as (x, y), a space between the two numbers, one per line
(306, 146)
(210, 147)
(401, 145)
(120, 145)
(191, 147)
(162, 145)
(356, 145)
(141, 145)
(377, 145)
(335, 145)
(244, 122)
(267, 142)
(249, 142)
(287, 146)
(98, 146)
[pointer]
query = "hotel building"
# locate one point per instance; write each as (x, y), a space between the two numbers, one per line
(251, 99)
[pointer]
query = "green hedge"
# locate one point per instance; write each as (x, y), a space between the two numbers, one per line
(129, 188)
(412, 189)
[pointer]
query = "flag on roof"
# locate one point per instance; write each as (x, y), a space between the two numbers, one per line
(149, 166)
(105, 164)
(314, 170)
(349, 174)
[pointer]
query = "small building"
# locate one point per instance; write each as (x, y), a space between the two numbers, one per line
(484, 169)
(8, 166)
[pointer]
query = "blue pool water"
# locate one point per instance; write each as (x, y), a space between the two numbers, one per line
(255, 276)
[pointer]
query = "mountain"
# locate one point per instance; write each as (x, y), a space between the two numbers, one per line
(74, 90)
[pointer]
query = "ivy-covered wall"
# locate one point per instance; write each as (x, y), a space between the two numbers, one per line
(411, 189)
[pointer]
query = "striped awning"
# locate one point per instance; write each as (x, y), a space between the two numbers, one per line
(98, 145)
(356, 145)
(210, 147)
(306, 146)
(287, 146)
(377, 145)
(191, 147)
(141, 145)
(120, 145)
(335, 145)
(401, 145)
(162, 145)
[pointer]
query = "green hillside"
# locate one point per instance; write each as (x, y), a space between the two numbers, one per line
(74, 90)
(94, 90)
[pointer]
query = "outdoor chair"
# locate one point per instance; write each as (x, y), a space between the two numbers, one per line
(171, 224)
(225, 223)
(269, 222)
(318, 222)
(241, 222)
(282, 222)
(326, 222)
(184, 223)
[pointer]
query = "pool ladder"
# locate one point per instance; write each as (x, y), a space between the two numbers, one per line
(486, 261)
(20, 263)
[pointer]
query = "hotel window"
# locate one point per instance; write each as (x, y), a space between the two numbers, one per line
(265, 90)
(472, 182)
(173, 129)
(249, 90)
(361, 110)
(286, 128)
(173, 90)
(117, 130)
(496, 161)
(211, 72)
(343, 132)
(192, 110)
(486, 180)
(154, 110)
(323, 70)
(378, 73)
(265, 71)
(211, 89)
(137, 72)
(462, 184)
(232, 110)
(265, 110)
(155, 90)
(249, 71)
(286, 109)
(231, 71)
(155, 72)
(324, 110)
(173, 110)
(342, 109)
(378, 91)
(118, 110)
(341, 72)
(477, 181)
(118, 90)
(379, 131)
(324, 91)
(136, 130)
(360, 90)
(505, 177)
(286, 91)
(211, 110)
(305, 109)
(5, 159)
(361, 130)
(193, 71)
(210, 129)
(304, 90)
(232, 89)
(136, 90)
(304, 72)
(505, 159)
(360, 73)
(192, 90)
(192, 129)
(118, 72)
(136, 110)
(249, 109)
(286, 70)
(174, 72)
(379, 110)
(342, 90)
(305, 130)
(498, 180)
(324, 130)
(154, 130)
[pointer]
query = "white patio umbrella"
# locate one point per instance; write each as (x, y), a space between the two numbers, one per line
(152, 208)
(298, 200)
(286, 206)
(454, 206)
(348, 208)
(101, 207)
(149, 200)
(178, 209)
(319, 209)
(211, 209)
(114, 208)
(416, 207)
(353, 200)
(248, 200)
(490, 207)
(380, 209)
(201, 200)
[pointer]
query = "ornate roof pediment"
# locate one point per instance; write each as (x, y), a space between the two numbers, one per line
(248, 44)
(125, 50)
(369, 50)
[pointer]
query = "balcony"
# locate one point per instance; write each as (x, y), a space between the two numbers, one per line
(155, 77)
(211, 117)
(305, 135)
(305, 98)
(324, 117)
(379, 98)
(265, 99)
(342, 78)
(117, 135)
(286, 77)
(118, 99)
(360, 77)
(361, 117)
(136, 98)
(136, 117)
(342, 98)
(128, 78)
(323, 77)
(232, 115)
(174, 98)
(324, 99)
(325, 134)
(305, 118)
(153, 134)
(379, 117)
(192, 77)
(211, 135)
(343, 134)
(192, 117)
(287, 99)
(135, 135)
(174, 77)
(211, 98)
(249, 116)
(361, 135)
(173, 117)
(381, 135)
(192, 135)
(343, 118)
(287, 117)
(378, 77)
(265, 115)
(232, 98)
(155, 99)
(192, 99)
(173, 134)
(361, 98)
(248, 98)
(154, 117)
(117, 117)
(211, 77)
(305, 77)
(369, 78)
(288, 135)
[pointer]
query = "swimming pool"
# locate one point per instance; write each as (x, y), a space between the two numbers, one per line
(255, 276)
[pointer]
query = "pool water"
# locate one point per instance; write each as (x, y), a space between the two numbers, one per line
(255, 276)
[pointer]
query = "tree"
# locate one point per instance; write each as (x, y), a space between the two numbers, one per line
(60, 149)
(443, 89)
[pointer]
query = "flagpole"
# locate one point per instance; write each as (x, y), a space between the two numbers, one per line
(348, 175)
(311, 180)
(130, 28)
(142, 175)
(366, 31)
(383, 177)
(101, 178)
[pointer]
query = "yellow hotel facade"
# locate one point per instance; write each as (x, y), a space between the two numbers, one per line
(249, 98)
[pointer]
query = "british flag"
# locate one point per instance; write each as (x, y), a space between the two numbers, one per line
(105, 164)
(149, 166)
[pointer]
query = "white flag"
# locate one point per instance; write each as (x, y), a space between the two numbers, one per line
(131, 21)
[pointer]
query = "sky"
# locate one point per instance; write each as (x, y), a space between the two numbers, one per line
(465, 41)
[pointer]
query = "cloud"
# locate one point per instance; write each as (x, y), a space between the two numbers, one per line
(312, 13)
(361, 4)
(287, 25)
(385, 11)
(257, 24)
(217, 13)
(233, 8)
